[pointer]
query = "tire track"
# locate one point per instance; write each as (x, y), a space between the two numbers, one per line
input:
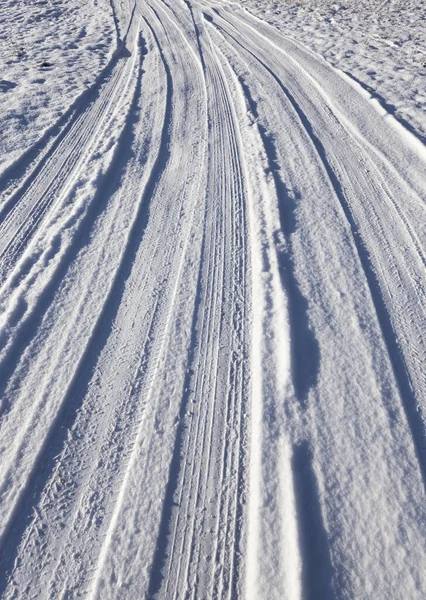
(24, 211)
(211, 347)
(203, 453)
(118, 436)
(366, 221)
(38, 414)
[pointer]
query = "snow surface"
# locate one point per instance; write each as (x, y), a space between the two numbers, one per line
(50, 52)
(212, 300)
(381, 43)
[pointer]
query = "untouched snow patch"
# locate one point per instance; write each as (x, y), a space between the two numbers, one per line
(50, 52)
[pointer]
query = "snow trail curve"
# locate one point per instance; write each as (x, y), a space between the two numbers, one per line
(212, 291)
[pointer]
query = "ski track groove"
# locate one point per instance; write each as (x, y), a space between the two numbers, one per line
(381, 189)
(57, 178)
(207, 437)
(203, 371)
(128, 471)
(233, 406)
(16, 177)
(27, 279)
(189, 437)
(153, 175)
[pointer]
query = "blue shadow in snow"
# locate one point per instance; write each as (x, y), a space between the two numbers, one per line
(6, 85)
(390, 108)
(317, 569)
(305, 350)
(57, 435)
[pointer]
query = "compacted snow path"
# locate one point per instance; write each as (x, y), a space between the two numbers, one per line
(212, 292)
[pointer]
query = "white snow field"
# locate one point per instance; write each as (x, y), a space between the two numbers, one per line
(212, 300)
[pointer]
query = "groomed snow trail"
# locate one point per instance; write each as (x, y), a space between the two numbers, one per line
(212, 328)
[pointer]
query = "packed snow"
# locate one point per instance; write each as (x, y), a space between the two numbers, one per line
(212, 299)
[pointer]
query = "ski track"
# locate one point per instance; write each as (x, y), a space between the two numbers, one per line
(212, 291)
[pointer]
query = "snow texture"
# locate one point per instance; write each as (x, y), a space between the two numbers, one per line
(212, 300)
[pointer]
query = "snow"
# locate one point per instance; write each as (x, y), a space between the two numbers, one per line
(381, 44)
(212, 292)
(50, 52)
